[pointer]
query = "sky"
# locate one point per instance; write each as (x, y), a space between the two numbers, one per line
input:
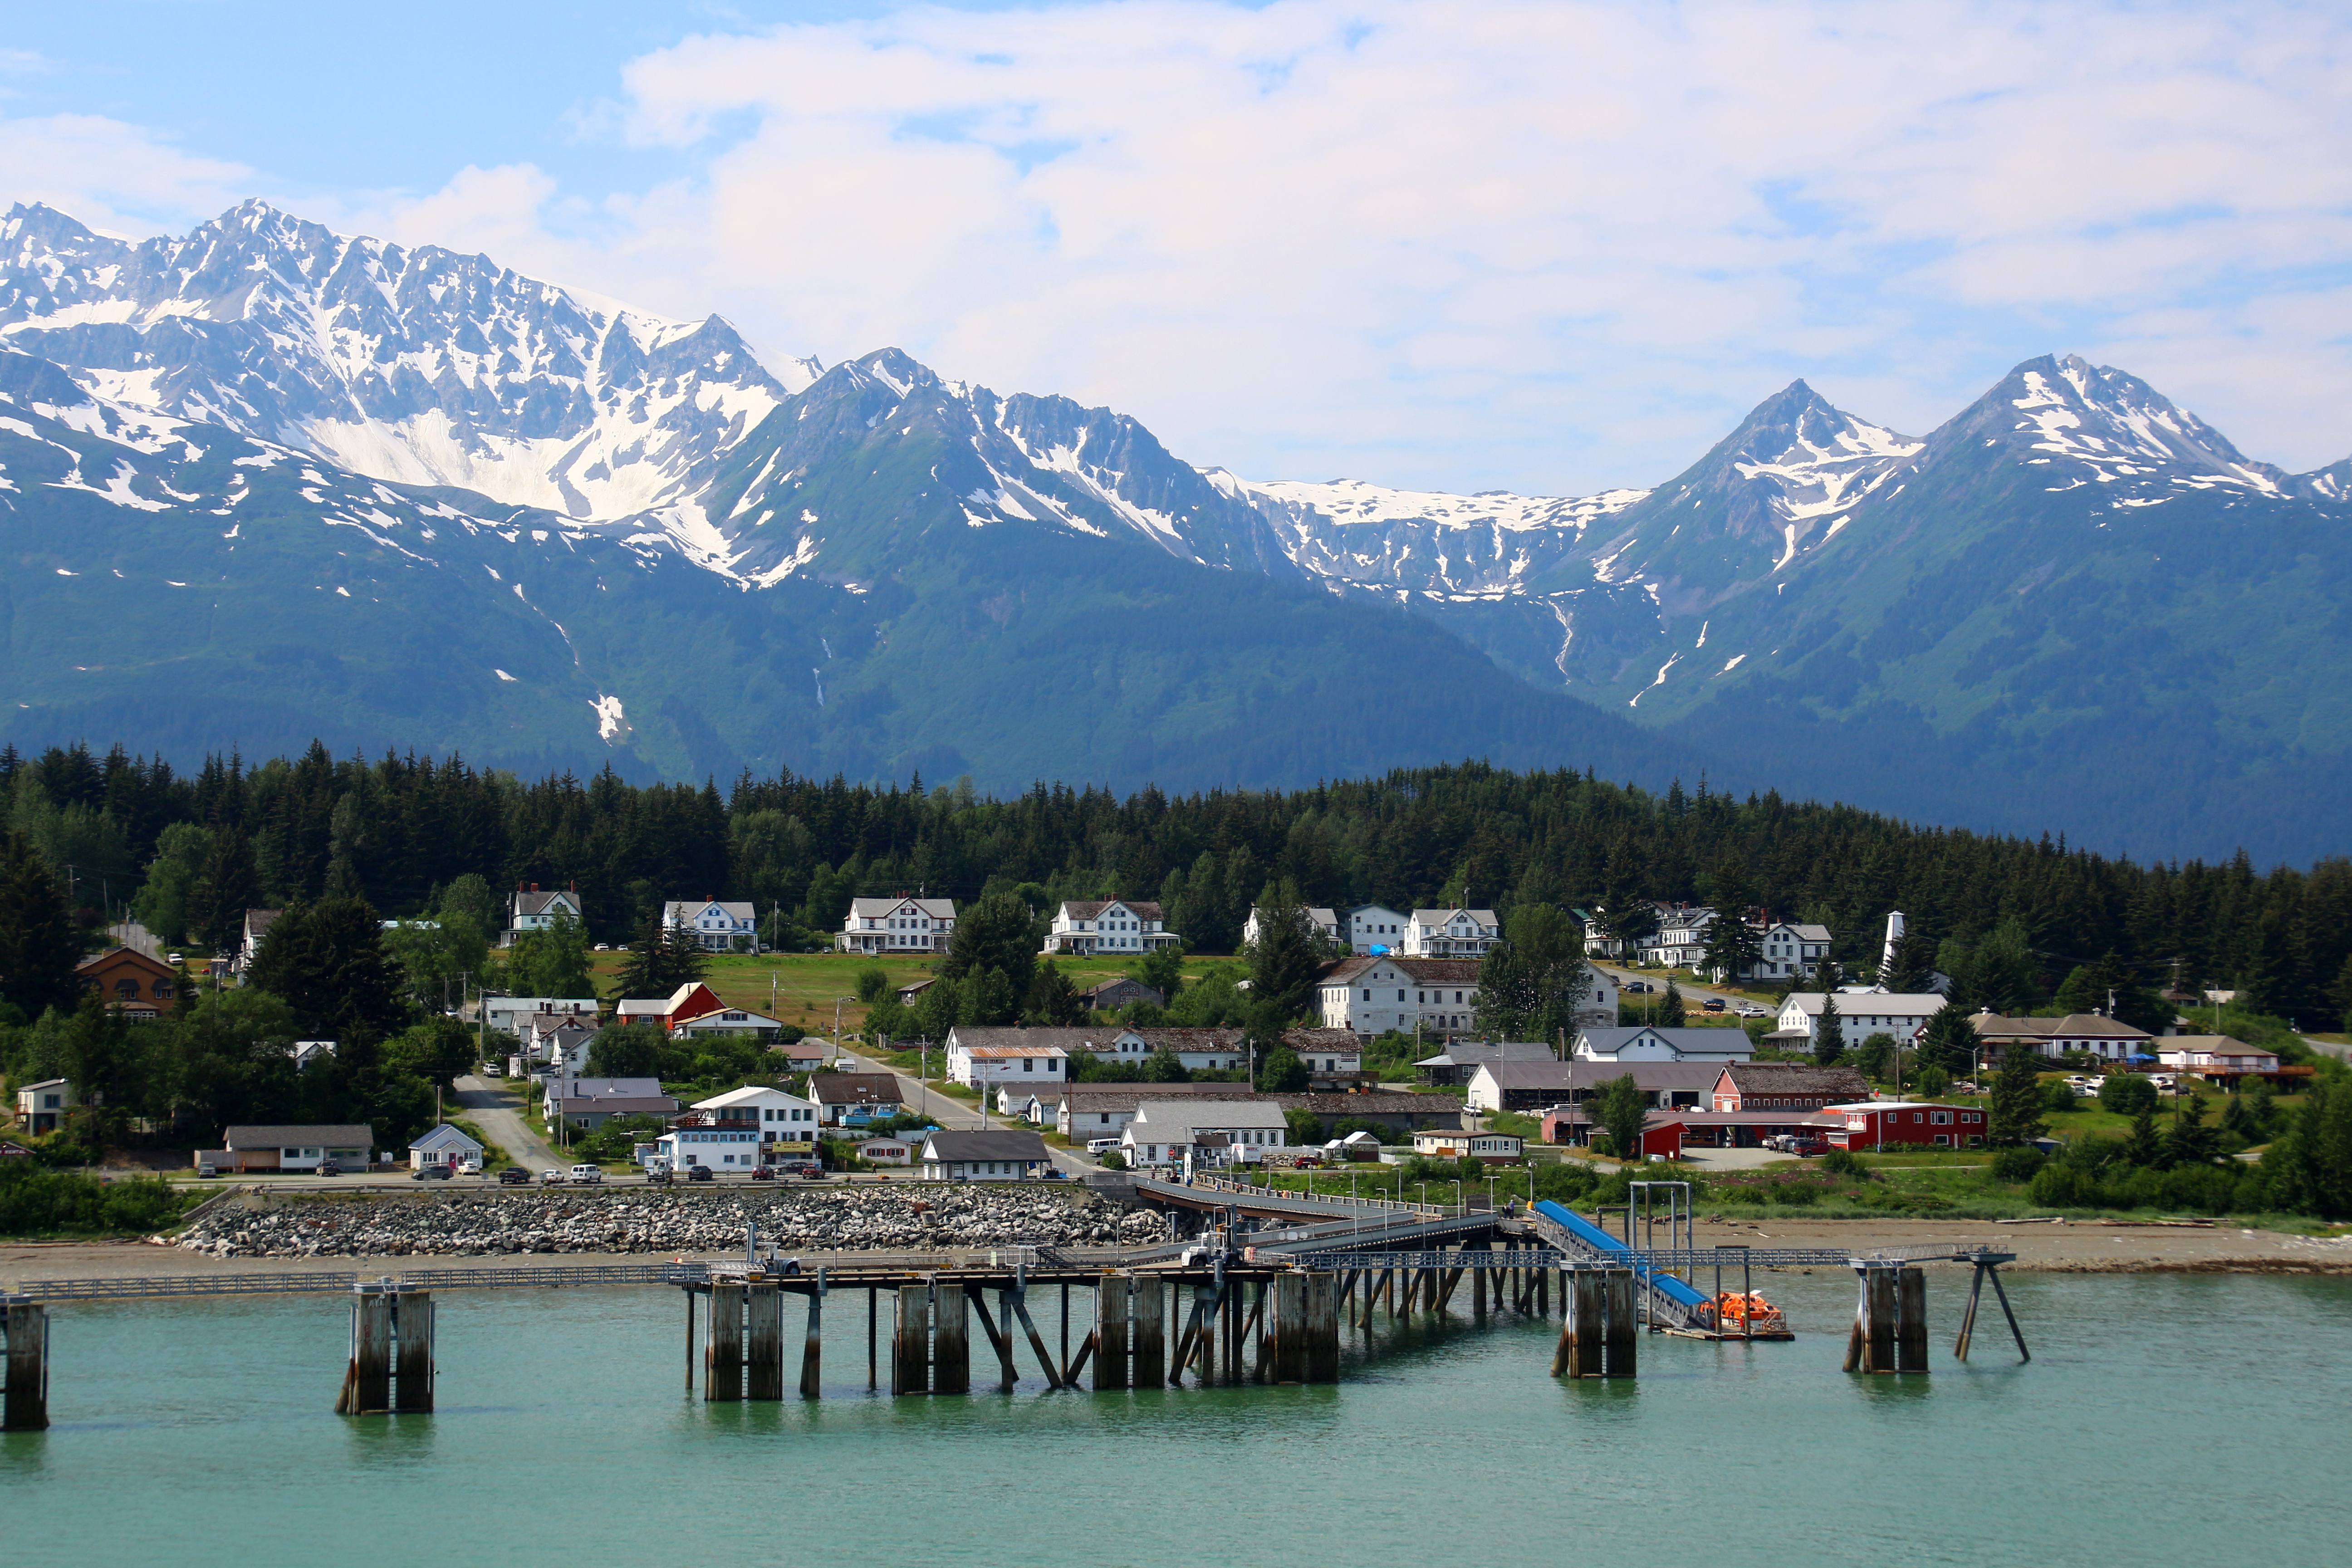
(1550, 247)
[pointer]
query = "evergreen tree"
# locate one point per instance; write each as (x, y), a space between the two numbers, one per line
(327, 962)
(2090, 987)
(663, 958)
(1912, 968)
(1874, 1058)
(1052, 1000)
(2014, 1115)
(2310, 1166)
(228, 886)
(2188, 1142)
(1282, 1071)
(1283, 961)
(2144, 1145)
(553, 960)
(1670, 1013)
(1949, 1041)
(1618, 1108)
(1829, 1035)
(999, 932)
(1162, 969)
(990, 998)
(39, 948)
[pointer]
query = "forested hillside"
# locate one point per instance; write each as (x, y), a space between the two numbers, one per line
(189, 853)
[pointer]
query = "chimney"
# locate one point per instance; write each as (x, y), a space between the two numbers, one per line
(534, 887)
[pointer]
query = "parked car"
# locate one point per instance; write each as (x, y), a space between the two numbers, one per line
(1096, 1145)
(1712, 1004)
(550, 1177)
(1052, 1173)
(329, 1168)
(208, 1172)
(430, 1174)
(1638, 985)
(588, 1175)
(698, 1172)
(493, 1069)
(1808, 1146)
(514, 1176)
(763, 1172)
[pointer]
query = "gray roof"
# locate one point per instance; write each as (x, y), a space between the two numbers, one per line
(443, 1136)
(854, 1089)
(610, 1088)
(1372, 1103)
(1470, 1053)
(968, 1036)
(1652, 1075)
(347, 1136)
(1714, 1042)
(1128, 1096)
(1164, 1116)
(1795, 1078)
(984, 1146)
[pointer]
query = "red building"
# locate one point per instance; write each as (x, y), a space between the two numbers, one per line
(1571, 1124)
(1787, 1086)
(1872, 1123)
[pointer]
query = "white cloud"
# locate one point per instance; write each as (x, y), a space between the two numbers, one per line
(115, 177)
(1534, 244)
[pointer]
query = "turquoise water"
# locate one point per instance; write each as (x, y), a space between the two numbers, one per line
(2162, 1420)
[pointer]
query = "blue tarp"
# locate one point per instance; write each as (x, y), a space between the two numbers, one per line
(1601, 1241)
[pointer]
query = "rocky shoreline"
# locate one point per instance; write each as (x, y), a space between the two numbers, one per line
(497, 1224)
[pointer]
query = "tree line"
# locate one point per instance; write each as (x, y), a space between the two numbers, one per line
(188, 853)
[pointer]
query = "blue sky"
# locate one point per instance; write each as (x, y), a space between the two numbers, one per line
(1552, 248)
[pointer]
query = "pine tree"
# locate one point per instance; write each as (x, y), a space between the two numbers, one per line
(1829, 1035)
(327, 962)
(1052, 1000)
(1670, 1013)
(1949, 1041)
(2014, 1116)
(1284, 960)
(2188, 1142)
(2144, 1145)
(38, 946)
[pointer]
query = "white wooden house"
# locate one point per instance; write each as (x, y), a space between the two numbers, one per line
(528, 910)
(1451, 933)
(898, 925)
(1113, 926)
(1374, 927)
(719, 926)
(1325, 923)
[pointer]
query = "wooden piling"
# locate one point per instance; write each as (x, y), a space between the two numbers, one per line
(1110, 1331)
(25, 1404)
(1583, 1323)
(812, 1342)
(1618, 1353)
(1319, 1324)
(1911, 1331)
(764, 1340)
(1148, 1332)
(2015, 1332)
(873, 1337)
(368, 1389)
(413, 1319)
(1543, 1292)
(1857, 1340)
(722, 1347)
(689, 1339)
(950, 1339)
(1878, 1348)
(1968, 1317)
(1287, 1329)
(910, 1348)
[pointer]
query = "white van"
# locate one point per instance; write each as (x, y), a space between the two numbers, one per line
(591, 1175)
(1098, 1145)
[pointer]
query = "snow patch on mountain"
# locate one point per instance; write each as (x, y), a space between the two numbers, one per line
(418, 365)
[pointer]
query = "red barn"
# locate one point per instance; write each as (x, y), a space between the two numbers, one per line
(1873, 1122)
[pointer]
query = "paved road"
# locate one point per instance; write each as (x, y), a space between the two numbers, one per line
(1692, 994)
(954, 1114)
(2328, 1049)
(494, 1113)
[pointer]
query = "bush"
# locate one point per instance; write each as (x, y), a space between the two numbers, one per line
(2057, 1098)
(2016, 1165)
(1845, 1163)
(35, 1202)
(2127, 1094)
(1112, 1160)
(1797, 1194)
(1565, 1182)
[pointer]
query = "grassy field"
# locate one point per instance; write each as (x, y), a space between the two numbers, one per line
(804, 985)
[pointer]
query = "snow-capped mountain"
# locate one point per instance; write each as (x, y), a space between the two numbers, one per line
(1352, 534)
(415, 366)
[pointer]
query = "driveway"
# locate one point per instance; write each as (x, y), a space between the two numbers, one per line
(1735, 1159)
(1692, 994)
(955, 1115)
(494, 1113)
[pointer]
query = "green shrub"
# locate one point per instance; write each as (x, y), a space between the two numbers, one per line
(2127, 1094)
(1797, 1194)
(1845, 1163)
(1566, 1182)
(2020, 1164)
(35, 1202)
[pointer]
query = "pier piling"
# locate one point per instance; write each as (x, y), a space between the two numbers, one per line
(1320, 1325)
(763, 1339)
(411, 1323)
(812, 1342)
(911, 1350)
(722, 1346)
(25, 1407)
(367, 1381)
(950, 1339)
(1619, 1354)
(1911, 1328)
(1286, 1338)
(1111, 1337)
(1147, 1331)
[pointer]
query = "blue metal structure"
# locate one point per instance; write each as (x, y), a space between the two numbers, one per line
(1583, 1235)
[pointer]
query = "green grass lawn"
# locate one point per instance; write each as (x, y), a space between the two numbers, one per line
(804, 985)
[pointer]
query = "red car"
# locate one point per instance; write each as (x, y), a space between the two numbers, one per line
(1809, 1145)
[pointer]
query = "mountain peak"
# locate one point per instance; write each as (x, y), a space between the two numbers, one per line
(2093, 423)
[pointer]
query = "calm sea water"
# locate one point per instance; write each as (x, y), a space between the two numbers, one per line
(2163, 1420)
